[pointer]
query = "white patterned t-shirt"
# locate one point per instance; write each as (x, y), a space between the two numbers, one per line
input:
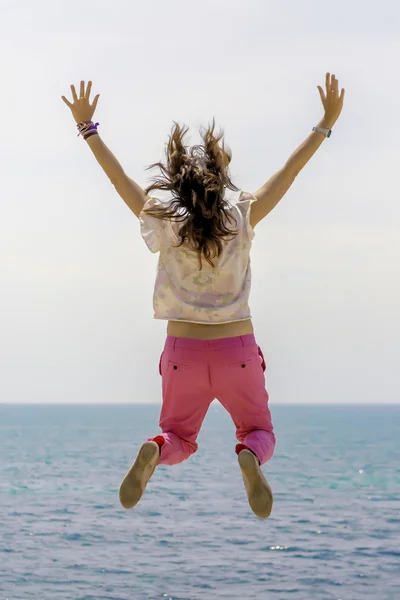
(212, 295)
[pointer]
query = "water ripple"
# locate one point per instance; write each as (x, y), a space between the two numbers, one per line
(334, 532)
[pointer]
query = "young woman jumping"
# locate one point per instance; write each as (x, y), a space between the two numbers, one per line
(202, 289)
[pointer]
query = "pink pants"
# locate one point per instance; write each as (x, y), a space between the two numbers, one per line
(194, 373)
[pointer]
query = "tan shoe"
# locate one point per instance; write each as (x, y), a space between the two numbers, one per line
(259, 493)
(134, 484)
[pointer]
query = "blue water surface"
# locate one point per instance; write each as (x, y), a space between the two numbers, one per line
(334, 533)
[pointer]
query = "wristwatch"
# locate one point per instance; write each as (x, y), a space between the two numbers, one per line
(326, 132)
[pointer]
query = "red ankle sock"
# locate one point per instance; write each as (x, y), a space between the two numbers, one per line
(160, 440)
(240, 447)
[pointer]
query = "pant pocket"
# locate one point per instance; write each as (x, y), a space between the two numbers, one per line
(263, 364)
(177, 366)
(241, 364)
(159, 364)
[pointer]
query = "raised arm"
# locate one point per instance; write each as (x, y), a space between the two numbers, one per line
(268, 196)
(82, 111)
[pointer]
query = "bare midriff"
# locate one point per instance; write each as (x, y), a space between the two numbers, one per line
(199, 331)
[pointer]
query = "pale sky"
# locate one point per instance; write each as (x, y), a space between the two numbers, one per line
(76, 279)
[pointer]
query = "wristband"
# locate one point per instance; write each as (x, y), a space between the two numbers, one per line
(326, 132)
(88, 135)
(86, 127)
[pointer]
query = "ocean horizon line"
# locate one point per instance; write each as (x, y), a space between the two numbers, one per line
(272, 404)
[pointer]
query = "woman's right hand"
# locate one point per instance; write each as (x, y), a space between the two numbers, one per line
(81, 108)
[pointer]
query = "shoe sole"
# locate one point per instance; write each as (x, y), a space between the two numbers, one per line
(133, 486)
(258, 491)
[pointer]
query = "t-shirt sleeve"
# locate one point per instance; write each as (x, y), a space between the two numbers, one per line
(150, 227)
(243, 205)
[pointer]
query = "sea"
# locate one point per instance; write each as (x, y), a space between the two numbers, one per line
(334, 533)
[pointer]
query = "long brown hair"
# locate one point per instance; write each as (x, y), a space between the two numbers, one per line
(197, 177)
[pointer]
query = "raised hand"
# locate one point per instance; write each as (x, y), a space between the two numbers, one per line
(331, 100)
(81, 108)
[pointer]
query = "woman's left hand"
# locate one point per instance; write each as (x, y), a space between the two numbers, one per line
(81, 108)
(331, 100)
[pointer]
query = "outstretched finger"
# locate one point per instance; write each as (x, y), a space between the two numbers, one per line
(335, 86)
(328, 82)
(321, 93)
(82, 91)
(88, 90)
(332, 84)
(74, 96)
(95, 101)
(66, 102)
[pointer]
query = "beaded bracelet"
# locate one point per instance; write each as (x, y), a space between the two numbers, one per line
(87, 128)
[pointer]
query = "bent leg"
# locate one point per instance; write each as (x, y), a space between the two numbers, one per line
(176, 446)
(260, 441)
(186, 398)
(241, 390)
